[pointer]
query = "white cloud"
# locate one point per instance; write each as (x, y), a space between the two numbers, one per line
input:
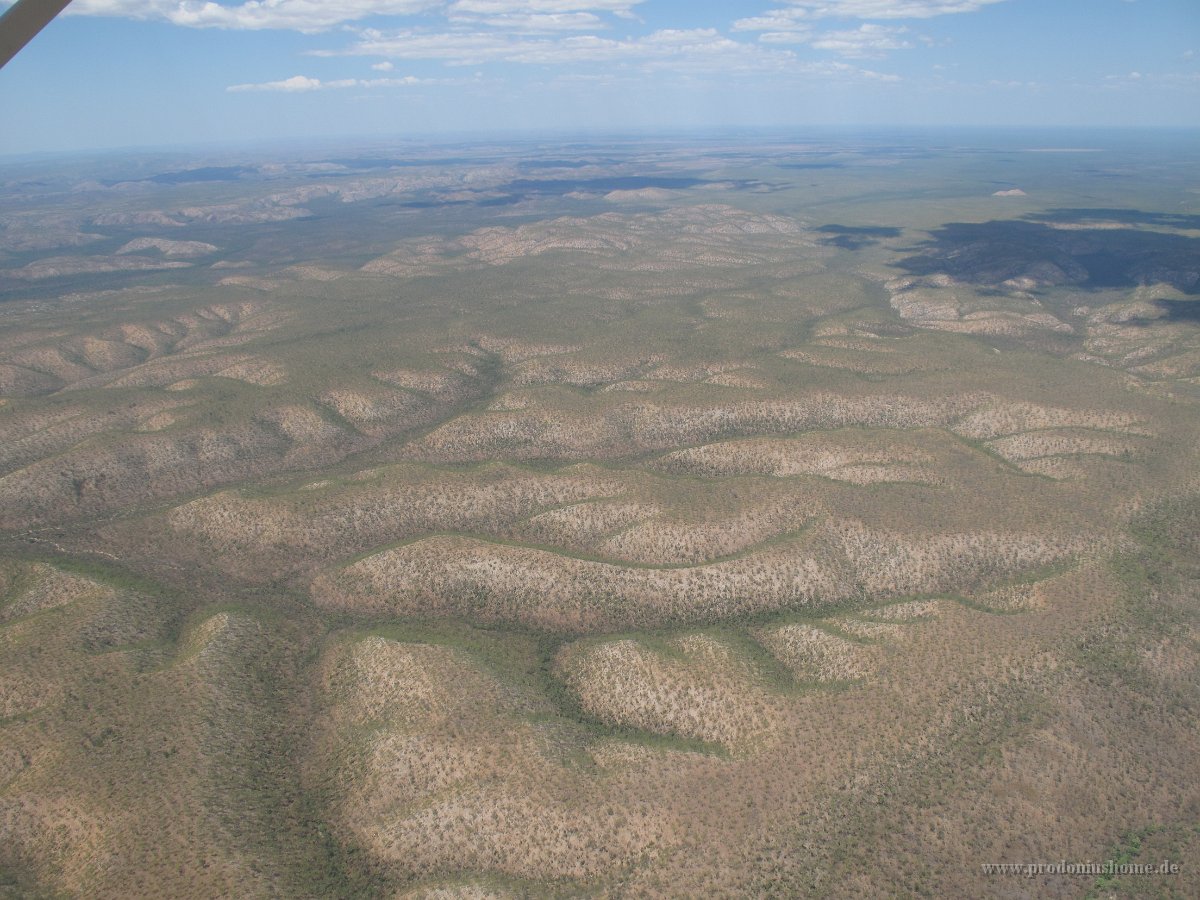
(790, 26)
(794, 36)
(406, 81)
(779, 26)
(525, 7)
(843, 73)
(294, 85)
(538, 16)
(885, 9)
(302, 84)
(699, 48)
(774, 20)
(315, 15)
(529, 32)
(865, 41)
(1147, 83)
(295, 15)
(534, 23)
(691, 52)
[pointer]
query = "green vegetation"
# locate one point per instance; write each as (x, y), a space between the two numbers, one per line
(774, 535)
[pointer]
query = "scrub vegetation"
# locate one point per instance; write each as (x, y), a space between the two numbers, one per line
(775, 531)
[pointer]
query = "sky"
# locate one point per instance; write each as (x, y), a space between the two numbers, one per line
(166, 73)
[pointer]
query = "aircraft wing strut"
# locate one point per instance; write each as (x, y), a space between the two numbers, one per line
(23, 20)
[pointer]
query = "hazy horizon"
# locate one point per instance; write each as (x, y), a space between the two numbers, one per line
(1062, 138)
(144, 73)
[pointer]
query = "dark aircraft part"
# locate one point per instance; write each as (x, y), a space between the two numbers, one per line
(22, 22)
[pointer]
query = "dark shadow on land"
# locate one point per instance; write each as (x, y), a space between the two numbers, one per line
(1124, 216)
(989, 253)
(1180, 310)
(384, 162)
(533, 188)
(191, 176)
(851, 237)
(206, 174)
(1172, 311)
(509, 200)
(604, 183)
(527, 165)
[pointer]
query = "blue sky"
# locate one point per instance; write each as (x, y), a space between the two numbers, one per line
(121, 73)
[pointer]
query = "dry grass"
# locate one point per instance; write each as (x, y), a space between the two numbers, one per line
(453, 576)
(134, 765)
(813, 653)
(439, 769)
(857, 457)
(695, 686)
(664, 549)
